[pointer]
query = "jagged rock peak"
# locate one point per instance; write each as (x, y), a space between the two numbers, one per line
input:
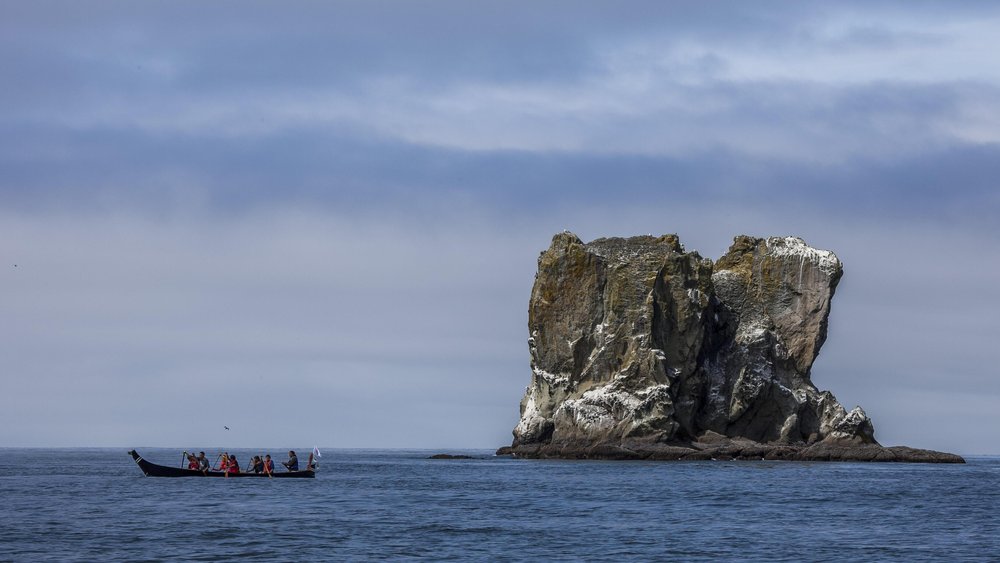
(636, 343)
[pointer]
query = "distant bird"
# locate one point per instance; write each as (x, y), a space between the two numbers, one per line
(15, 265)
(226, 427)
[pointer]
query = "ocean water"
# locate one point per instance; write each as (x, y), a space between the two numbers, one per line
(95, 505)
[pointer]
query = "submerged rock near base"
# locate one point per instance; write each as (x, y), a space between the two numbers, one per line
(642, 350)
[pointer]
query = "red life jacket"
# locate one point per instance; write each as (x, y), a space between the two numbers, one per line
(234, 467)
(193, 464)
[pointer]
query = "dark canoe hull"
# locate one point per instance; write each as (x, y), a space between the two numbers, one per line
(154, 470)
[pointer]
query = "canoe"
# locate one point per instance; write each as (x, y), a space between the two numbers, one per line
(153, 470)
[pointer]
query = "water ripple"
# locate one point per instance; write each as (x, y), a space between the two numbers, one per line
(399, 505)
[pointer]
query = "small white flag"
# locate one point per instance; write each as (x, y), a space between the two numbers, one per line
(316, 452)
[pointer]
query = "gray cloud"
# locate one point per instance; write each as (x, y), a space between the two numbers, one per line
(231, 209)
(257, 314)
(383, 319)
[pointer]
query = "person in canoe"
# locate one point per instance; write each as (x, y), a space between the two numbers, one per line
(293, 462)
(268, 465)
(192, 462)
(223, 462)
(234, 466)
(203, 464)
(256, 465)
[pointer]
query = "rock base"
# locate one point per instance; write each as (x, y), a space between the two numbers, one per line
(741, 450)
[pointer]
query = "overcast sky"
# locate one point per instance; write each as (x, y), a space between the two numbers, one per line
(317, 222)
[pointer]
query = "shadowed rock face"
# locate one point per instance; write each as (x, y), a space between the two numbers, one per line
(641, 349)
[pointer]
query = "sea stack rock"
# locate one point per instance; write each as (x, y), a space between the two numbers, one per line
(643, 350)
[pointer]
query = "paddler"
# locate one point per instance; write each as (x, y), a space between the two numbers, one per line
(293, 462)
(234, 466)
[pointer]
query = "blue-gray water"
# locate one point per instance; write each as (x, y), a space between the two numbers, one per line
(90, 505)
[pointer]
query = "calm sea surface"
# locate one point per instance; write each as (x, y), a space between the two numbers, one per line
(91, 505)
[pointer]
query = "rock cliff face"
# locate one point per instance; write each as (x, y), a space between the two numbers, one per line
(640, 349)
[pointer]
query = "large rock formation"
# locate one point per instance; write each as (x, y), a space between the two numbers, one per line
(640, 349)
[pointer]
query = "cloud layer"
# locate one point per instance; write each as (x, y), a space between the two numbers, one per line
(327, 217)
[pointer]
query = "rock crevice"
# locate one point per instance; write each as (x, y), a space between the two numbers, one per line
(641, 349)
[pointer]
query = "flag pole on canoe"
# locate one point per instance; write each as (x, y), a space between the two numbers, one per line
(312, 454)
